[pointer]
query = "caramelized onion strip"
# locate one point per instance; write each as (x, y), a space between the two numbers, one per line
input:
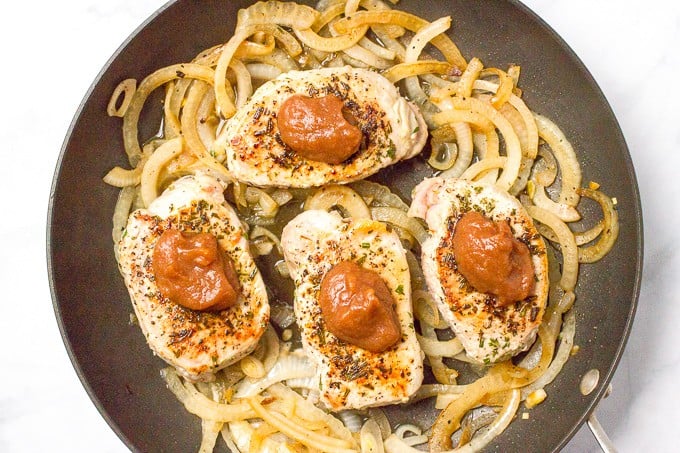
(150, 83)
(610, 227)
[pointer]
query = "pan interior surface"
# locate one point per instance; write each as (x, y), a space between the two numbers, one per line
(91, 302)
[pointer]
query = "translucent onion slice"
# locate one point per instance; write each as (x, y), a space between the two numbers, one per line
(370, 438)
(122, 211)
(288, 366)
(332, 196)
(149, 84)
(567, 245)
(469, 76)
(479, 121)
(301, 434)
(426, 310)
(244, 84)
(407, 21)
(249, 49)
(394, 444)
(259, 231)
(488, 147)
(399, 218)
(482, 166)
(121, 177)
(331, 44)
(414, 49)
(505, 86)
(381, 419)
(263, 71)
(402, 70)
(379, 194)
(377, 49)
(589, 381)
(561, 210)
(288, 14)
(561, 356)
(443, 155)
(164, 154)
(307, 410)
(448, 348)
(610, 227)
(126, 89)
(566, 157)
(416, 436)
(520, 106)
(465, 151)
(224, 101)
(199, 404)
(498, 426)
(513, 148)
(351, 419)
(210, 429)
(189, 120)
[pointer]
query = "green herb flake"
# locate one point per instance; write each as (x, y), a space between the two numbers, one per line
(399, 290)
(391, 151)
(365, 245)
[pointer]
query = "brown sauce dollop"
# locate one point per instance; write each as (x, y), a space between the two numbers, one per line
(318, 129)
(191, 270)
(358, 307)
(491, 259)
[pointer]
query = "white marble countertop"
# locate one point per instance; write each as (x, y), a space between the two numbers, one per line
(51, 51)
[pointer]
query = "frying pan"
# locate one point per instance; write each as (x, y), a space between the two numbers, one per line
(92, 306)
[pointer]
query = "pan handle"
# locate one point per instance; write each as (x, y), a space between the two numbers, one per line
(600, 435)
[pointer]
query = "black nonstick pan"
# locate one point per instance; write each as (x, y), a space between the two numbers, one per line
(91, 303)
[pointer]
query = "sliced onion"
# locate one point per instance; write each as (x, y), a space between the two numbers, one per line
(561, 357)
(379, 194)
(301, 434)
(148, 85)
(198, 404)
(394, 444)
(164, 154)
(483, 165)
(126, 88)
(403, 70)
(332, 196)
(288, 14)
(209, 431)
(333, 44)
(561, 210)
(567, 245)
(408, 21)
(469, 76)
(415, 47)
(465, 151)
(370, 438)
(448, 348)
(498, 426)
(399, 218)
(122, 212)
(566, 158)
(263, 71)
(260, 231)
(351, 419)
(610, 230)
(288, 366)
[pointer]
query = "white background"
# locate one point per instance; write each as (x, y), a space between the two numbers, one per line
(51, 52)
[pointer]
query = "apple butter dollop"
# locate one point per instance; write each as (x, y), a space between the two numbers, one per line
(491, 259)
(358, 307)
(191, 270)
(318, 128)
